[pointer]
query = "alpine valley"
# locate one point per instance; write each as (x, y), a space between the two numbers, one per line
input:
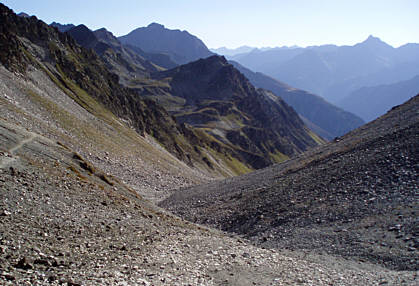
(147, 159)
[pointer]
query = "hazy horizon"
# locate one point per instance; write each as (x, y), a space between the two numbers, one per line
(235, 23)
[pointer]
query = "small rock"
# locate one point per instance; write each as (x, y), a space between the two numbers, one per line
(24, 264)
(5, 213)
(9, 277)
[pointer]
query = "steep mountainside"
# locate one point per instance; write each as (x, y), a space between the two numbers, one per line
(29, 44)
(134, 54)
(356, 197)
(210, 94)
(333, 72)
(181, 46)
(123, 61)
(331, 121)
(250, 149)
(372, 102)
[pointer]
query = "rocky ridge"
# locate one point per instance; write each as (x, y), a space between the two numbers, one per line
(121, 60)
(211, 95)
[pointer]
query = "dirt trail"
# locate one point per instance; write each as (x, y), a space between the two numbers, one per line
(9, 157)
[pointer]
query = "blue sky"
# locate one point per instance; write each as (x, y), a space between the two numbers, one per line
(233, 23)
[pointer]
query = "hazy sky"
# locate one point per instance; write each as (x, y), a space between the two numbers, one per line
(233, 23)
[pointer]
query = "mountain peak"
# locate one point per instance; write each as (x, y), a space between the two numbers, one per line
(23, 14)
(374, 44)
(62, 27)
(371, 40)
(102, 30)
(216, 58)
(81, 29)
(181, 46)
(156, 26)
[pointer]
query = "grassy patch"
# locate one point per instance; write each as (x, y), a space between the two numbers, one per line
(146, 82)
(238, 167)
(279, 157)
(316, 138)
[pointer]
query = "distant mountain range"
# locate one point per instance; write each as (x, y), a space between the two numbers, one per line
(181, 46)
(322, 117)
(328, 70)
(372, 102)
(334, 72)
(232, 52)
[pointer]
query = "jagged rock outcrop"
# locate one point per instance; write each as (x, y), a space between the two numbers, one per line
(62, 28)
